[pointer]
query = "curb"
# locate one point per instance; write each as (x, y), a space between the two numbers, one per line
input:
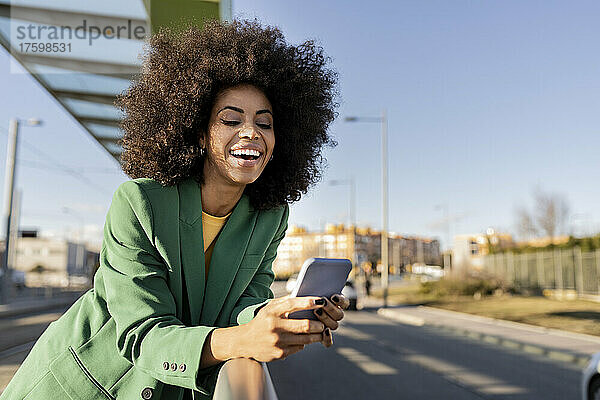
(577, 359)
(12, 310)
(520, 325)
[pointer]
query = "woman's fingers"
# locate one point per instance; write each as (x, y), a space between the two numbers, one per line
(327, 338)
(297, 340)
(333, 310)
(326, 319)
(286, 305)
(300, 326)
(340, 300)
(292, 349)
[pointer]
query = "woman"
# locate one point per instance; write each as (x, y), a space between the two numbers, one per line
(222, 130)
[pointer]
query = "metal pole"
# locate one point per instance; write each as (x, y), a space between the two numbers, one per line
(353, 219)
(14, 229)
(384, 231)
(9, 180)
(578, 271)
(539, 265)
(353, 201)
(558, 269)
(598, 270)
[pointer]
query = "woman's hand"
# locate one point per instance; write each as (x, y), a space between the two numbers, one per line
(271, 336)
(330, 314)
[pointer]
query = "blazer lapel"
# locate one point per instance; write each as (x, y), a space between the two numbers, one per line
(227, 255)
(192, 254)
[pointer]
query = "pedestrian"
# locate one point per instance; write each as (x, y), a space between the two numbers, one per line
(223, 128)
(368, 285)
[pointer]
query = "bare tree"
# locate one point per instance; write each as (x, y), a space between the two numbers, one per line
(551, 212)
(549, 217)
(525, 223)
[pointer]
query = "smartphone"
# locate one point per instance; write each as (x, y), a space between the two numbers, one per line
(320, 277)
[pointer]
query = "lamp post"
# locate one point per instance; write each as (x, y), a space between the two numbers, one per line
(9, 180)
(448, 246)
(79, 245)
(384, 191)
(352, 208)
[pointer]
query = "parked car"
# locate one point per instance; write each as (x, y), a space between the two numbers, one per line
(590, 381)
(18, 279)
(291, 283)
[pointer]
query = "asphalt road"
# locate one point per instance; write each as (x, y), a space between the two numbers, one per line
(374, 358)
(17, 336)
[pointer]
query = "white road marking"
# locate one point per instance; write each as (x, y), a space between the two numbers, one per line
(366, 363)
(401, 317)
(479, 382)
(352, 333)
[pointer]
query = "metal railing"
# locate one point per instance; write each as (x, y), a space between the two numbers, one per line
(244, 379)
(560, 269)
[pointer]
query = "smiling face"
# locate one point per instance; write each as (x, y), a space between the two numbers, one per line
(240, 138)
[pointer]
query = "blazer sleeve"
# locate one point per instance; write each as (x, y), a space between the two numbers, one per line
(149, 334)
(258, 293)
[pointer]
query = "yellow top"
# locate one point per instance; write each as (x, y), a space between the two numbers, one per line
(211, 226)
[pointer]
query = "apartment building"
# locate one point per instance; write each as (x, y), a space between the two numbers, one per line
(361, 245)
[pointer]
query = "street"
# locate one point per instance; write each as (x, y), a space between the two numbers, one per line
(17, 336)
(374, 358)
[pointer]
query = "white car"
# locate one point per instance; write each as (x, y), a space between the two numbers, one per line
(590, 381)
(291, 283)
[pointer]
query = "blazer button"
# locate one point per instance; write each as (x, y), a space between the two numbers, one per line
(182, 367)
(147, 393)
(174, 366)
(166, 365)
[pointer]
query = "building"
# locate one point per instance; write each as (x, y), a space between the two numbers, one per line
(298, 245)
(361, 245)
(54, 262)
(468, 251)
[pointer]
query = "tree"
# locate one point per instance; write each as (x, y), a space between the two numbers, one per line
(549, 216)
(525, 223)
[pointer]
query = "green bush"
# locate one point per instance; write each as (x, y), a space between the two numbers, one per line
(471, 285)
(586, 244)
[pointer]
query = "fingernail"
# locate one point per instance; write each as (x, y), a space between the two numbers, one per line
(319, 311)
(320, 302)
(335, 298)
(327, 331)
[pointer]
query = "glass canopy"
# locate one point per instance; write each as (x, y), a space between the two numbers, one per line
(85, 52)
(72, 49)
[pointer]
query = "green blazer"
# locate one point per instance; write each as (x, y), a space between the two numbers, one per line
(133, 335)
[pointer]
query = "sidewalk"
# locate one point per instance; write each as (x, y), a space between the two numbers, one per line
(20, 305)
(556, 344)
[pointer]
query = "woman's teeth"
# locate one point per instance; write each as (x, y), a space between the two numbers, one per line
(246, 154)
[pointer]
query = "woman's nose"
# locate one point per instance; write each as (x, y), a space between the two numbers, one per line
(248, 132)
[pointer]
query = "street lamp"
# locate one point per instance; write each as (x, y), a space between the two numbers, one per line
(444, 208)
(352, 216)
(445, 260)
(9, 180)
(79, 249)
(384, 190)
(349, 182)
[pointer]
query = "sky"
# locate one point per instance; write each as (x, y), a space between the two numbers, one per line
(486, 101)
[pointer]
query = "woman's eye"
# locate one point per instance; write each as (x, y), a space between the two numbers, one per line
(229, 122)
(263, 125)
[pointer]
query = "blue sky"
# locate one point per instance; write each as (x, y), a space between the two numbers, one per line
(486, 101)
